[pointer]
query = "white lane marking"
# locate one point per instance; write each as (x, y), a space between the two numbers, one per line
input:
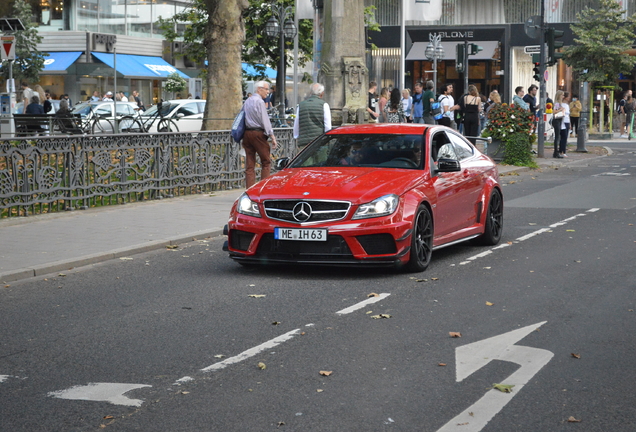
(3, 378)
(252, 351)
(183, 380)
(472, 357)
(363, 303)
(527, 236)
(102, 392)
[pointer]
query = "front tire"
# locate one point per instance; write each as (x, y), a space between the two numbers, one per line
(167, 125)
(494, 221)
(421, 241)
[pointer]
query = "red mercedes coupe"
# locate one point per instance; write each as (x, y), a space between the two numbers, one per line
(373, 194)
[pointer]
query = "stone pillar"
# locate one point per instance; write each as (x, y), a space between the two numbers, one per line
(343, 70)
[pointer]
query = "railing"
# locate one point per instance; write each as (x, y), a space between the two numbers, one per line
(48, 174)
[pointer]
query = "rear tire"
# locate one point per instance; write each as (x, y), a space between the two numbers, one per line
(494, 221)
(101, 126)
(421, 241)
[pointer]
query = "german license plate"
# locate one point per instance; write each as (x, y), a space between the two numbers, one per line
(300, 234)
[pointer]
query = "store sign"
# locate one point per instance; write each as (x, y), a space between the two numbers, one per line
(466, 34)
(106, 40)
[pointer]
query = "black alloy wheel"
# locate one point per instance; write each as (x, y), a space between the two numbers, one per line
(421, 240)
(494, 221)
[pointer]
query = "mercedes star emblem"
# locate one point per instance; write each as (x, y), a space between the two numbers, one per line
(302, 211)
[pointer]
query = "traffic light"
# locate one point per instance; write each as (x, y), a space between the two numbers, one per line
(459, 57)
(474, 49)
(551, 37)
(537, 71)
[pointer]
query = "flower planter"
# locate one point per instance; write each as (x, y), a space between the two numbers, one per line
(496, 150)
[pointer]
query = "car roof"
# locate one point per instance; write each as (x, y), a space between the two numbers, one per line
(381, 128)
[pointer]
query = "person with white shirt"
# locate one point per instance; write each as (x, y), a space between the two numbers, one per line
(447, 102)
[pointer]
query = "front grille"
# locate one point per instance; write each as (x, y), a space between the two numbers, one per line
(335, 248)
(321, 211)
(240, 240)
(378, 244)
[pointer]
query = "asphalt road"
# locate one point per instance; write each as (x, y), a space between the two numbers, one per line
(182, 323)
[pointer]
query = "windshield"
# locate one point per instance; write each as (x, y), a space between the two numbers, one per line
(166, 107)
(83, 109)
(366, 150)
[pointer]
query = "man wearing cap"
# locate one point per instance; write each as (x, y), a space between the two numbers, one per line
(108, 97)
(257, 128)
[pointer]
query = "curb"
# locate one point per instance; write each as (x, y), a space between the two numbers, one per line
(57, 266)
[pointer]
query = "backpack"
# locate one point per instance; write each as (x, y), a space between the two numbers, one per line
(436, 110)
(621, 103)
(238, 126)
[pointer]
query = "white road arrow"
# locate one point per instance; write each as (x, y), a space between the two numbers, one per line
(472, 357)
(102, 392)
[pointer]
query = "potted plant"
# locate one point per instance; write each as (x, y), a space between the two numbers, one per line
(175, 83)
(509, 126)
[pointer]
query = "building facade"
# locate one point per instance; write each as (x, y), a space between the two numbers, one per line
(495, 25)
(88, 40)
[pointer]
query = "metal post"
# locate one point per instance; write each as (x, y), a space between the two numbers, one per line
(280, 76)
(115, 122)
(542, 87)
(581, 132)
(295, 100)
(465, 66)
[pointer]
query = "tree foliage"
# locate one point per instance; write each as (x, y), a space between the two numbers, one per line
(29, 61)
(258, 48)
(602, 36)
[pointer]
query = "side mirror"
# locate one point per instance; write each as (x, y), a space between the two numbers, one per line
(180, 115)
(448, 165)
(281, 163)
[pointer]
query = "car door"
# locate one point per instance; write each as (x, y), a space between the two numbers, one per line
(472, 178)
(451, 206)
(189, 117)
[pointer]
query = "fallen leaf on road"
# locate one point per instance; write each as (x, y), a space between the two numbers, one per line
(570, 230)
(256, 295)
(373, 295)
(421, 280)
(185, 392)
(462, 424)
(573, 420)
(489, 304)
(261, 365)
(512, 182)
(505, 388)
(7, 286)
(578, 356)
(319, 391)
(172, 246)
(509, 243)
(441, 364)
(62, 274)
(276, 323)
(281, 424)
(455, 334)
(108, 417)
(126, 258)
(326, 373)
(369, 312)
(434, 278)
(487, 268)
(381, 316)
(302, 333)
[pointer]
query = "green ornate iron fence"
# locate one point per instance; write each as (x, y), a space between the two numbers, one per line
(48, 174)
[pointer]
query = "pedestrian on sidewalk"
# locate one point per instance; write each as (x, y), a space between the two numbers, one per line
(313, 117)
(557, 121)
(257, 128)
(575, 114)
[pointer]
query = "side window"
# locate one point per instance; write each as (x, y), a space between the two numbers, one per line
(104, 110)
(201, 106)
(124, 109)
(188, 109)
(463, 149)
(441, 147)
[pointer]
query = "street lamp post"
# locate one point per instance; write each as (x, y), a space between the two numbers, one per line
(434, 52)
(281, 25)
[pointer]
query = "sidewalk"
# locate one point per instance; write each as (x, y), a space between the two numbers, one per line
(43, 244)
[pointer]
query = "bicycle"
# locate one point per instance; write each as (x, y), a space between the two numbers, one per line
(88, 120)
(137, 124)
(274, 117)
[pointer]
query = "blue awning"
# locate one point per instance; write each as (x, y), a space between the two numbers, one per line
(59, 61)
(139, 66)
(249, 69)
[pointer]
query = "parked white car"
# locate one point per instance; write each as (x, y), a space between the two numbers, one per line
(98, 117)
(187, 114)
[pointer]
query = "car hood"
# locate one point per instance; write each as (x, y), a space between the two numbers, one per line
(357, 185)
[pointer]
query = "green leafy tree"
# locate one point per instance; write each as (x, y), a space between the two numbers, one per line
(29, 61)
(602, 36)
(258, 49)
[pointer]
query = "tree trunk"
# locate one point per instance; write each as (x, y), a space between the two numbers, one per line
(223, 41)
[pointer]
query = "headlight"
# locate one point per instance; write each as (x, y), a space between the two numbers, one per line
(247, 206)
(379, 207)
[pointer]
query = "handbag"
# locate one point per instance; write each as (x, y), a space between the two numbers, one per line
(559, 115)
(238, 126)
